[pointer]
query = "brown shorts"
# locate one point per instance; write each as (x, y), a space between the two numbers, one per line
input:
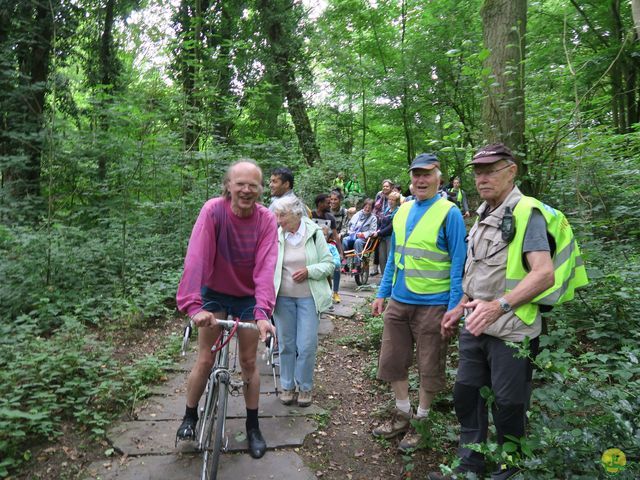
(405, 325)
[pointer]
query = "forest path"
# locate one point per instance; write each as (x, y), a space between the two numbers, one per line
(146, 444)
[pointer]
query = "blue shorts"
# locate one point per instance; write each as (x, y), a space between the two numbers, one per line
(240, 307)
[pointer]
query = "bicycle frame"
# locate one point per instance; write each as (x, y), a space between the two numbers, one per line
(211, 440)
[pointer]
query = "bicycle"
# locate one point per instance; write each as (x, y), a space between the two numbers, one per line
(361, 276)
(210, 437)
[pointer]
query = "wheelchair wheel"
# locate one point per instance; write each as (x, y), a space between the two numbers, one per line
(363, 277)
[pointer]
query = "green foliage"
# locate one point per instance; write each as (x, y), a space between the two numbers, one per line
(108, 279)
(372, 337)
(68, 375)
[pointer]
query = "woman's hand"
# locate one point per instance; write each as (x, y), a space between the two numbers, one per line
(300, 275)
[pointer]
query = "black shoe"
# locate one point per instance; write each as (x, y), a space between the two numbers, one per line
(504, 473)
(187, 431)
(257, 445)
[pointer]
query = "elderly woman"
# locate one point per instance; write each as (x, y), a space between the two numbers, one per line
(361, 226)
(385, 229)
(302, 290)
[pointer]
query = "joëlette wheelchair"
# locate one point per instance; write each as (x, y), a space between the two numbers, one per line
(361, 276)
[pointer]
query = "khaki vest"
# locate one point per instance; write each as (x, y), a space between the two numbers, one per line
(485, 271)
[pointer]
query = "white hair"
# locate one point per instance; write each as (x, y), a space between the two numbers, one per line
(289, 204)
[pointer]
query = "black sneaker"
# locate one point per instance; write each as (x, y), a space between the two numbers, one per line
(257, 445)
(187, 430)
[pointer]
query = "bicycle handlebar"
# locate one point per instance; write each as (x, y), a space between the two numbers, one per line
(226, 324)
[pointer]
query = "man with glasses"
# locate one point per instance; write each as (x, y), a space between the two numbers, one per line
(509, 264)
(229, 268)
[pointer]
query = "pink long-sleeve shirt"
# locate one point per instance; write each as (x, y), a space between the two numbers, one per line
(232, 255)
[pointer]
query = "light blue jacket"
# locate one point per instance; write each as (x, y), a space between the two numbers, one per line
(319, 264)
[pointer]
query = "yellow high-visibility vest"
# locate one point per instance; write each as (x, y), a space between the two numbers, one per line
(569, 270)
(426, 267)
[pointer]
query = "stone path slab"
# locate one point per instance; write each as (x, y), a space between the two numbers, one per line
(171, 407)
(276, 465)
(158, 437)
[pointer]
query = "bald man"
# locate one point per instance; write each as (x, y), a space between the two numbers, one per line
(229, 269)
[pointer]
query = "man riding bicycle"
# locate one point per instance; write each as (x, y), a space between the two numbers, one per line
(229, 269)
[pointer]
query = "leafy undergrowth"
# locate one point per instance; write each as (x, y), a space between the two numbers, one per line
(343, 447)
(70, 383)
(586, 399)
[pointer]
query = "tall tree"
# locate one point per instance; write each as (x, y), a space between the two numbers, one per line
(29, 30)
(280, 19)
(611, 34)
(503, 110)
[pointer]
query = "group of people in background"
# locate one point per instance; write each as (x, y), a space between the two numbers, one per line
(281, 261)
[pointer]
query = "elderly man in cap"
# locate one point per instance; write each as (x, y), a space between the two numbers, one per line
(423, 277)
(509, 264)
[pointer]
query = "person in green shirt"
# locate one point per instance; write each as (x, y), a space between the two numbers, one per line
(338, 182)
(352, 186)
(458, 196)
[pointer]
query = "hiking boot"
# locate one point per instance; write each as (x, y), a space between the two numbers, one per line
(286, 396)
(410, 441)
(336, 297)
(399, 423)
(187, 430)
(304, 398)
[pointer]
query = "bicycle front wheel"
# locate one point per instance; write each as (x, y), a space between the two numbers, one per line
(214, 423)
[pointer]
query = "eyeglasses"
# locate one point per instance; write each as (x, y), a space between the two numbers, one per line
(489, 173)
(252, 187)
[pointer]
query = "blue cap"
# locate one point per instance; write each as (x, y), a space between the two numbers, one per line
(426, 161)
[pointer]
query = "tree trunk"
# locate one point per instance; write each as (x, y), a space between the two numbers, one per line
(107, 76)
(635, 11)
(406, 121)
(34, 62)
(222, 39)
(503, 114)
(276, 21)
(189, 20)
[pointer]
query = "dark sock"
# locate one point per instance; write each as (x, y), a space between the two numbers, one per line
(191, 412)
(252, 419)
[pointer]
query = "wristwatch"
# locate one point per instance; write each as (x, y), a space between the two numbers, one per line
(504, 305)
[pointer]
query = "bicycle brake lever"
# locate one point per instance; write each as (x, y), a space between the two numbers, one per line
(185, 339)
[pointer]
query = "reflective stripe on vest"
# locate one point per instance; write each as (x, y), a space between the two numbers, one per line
(568, 266)
(426, 267)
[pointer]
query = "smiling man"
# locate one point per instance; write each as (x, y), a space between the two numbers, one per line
(423, 277)
(229, 269)
(509, 272)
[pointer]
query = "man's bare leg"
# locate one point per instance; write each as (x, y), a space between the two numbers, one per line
(199, 374)
(248, 349)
